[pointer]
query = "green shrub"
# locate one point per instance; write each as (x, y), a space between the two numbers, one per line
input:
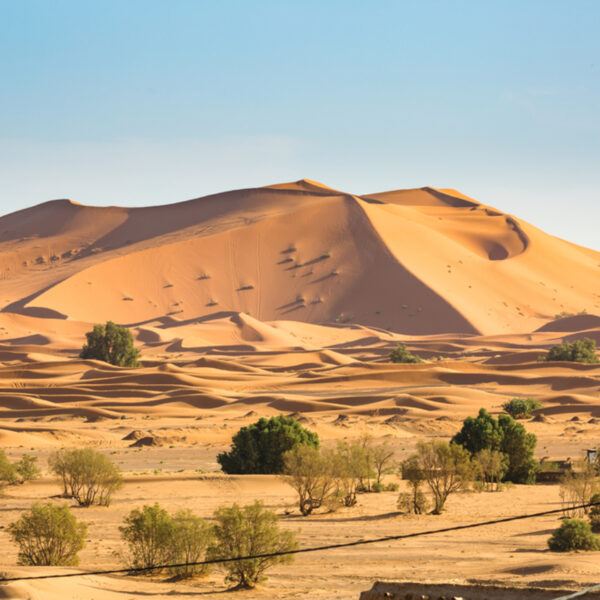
(149, 533)
(377, 487)
(260, 447)
(594, 514)
(577, 351)
(573, 534)
(401, 355)
(506, 436)
(249, 531)
(392, 487)
(8, 471)
(191, 539)
(520, 408)
(27, 469)
(112, 344)
(87, 476)
(48, 535)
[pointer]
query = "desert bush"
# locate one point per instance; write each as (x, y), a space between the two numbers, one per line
(155, 538)
(377, 487)
(391, 487)
(191, 539)
(446, 468)
(577, 488)
(594, 513)
(48, 535)
(27, 469)
(520, 408)
(149, 534)
(492, 466)
(506, 436)
(310, 472)
(413, 502)
(249, 531)
(260, 447)
(382, 458)
(87, 476)
(8, 471)
(573, 534)
(576, 351)
(401, 355)
(112, 344)
(352, 468)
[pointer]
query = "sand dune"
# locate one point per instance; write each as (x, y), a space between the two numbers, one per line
(421, 261)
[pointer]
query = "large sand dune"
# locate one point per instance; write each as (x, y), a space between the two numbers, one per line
(418, 261)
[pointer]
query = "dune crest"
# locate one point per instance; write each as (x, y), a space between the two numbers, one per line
(420, 261)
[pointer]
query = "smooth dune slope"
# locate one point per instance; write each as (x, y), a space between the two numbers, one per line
(421, 261)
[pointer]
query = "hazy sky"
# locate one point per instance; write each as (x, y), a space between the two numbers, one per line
(137, 102)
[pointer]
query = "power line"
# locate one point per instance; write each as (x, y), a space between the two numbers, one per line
(578, 594)
(388, 538)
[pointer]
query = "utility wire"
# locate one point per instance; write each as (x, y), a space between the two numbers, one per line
(388, 538)
(578, 594)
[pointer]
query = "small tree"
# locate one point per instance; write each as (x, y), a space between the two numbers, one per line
(112, 344)
(573, 534)
(576, 351)
(492, 466)
(383, 456)
(520, 408)
(249, 531)
(401, 355)
(310, 472)
(48, 535)
(87, 476)
(415, 501)
(506, 436)
(149, 533)
(446, 469)
(351, 468)
(260, 447)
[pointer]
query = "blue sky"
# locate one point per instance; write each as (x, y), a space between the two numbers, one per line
(137, 102)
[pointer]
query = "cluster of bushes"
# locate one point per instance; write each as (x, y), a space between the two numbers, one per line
(17, 472)
(49, 535)
(400, 354)
(521, 408)
(578, 351)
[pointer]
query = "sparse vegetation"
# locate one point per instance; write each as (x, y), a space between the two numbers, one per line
(87, 475)
(492, 465)
(577, 351)
(520, 408)
(594, 513)
(112, 344)
(446, 468)
(8, 471)
(578, 487)
(401, 355)
(247, 531)
(155, 538)
(48, 535)
(27, 469)
(573, 534)
(506, 436)
(311, 473)
(260, 447)
(414, 502)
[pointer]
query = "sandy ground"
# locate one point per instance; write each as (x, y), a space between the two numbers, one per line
(288, 299)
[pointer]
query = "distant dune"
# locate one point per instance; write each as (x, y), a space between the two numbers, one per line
(422, 261)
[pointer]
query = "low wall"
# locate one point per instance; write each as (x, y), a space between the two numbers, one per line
(440, 591)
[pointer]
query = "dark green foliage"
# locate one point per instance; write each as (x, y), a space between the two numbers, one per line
(48, 535)
(112, 344)
(248, 531)
(401, 355)
(506, 436)
(577, 351)
(573, 534)
(520, 408)
(259, 448)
